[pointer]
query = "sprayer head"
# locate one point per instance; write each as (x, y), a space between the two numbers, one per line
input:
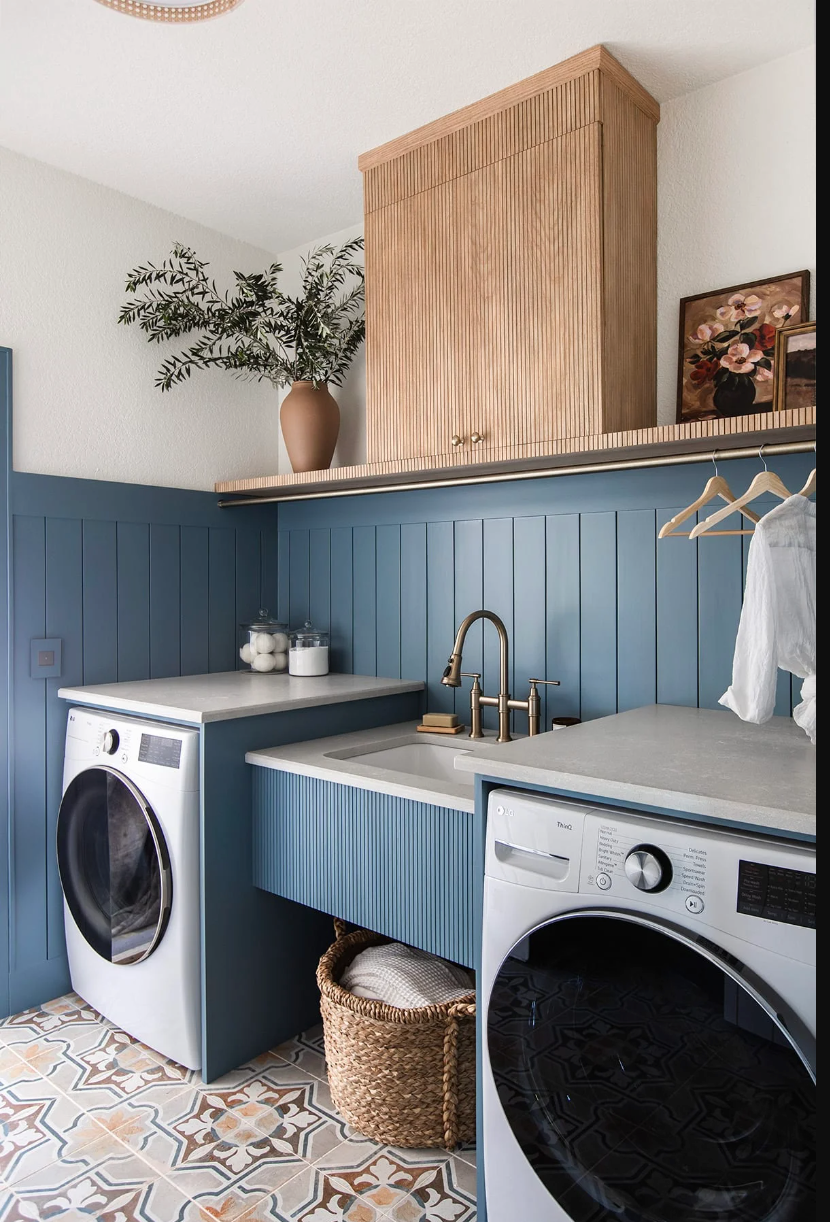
(452, 674)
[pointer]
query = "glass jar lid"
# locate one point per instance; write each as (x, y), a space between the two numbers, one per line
(308, 637)
(264, 623)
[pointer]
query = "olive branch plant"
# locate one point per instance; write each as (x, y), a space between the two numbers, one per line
(256, 331)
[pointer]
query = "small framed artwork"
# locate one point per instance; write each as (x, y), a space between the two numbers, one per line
(726, 352)
(795, 366)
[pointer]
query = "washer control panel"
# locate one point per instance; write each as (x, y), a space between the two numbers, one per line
(753, 889)
(148, 750)
(669, 867)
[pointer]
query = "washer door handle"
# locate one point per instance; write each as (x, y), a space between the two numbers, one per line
(536, 861)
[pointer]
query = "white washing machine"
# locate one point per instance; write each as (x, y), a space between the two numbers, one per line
(128, 856)
(649, 994)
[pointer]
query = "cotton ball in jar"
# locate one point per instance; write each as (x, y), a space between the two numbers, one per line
(263, 662)
(280, 640)
(280, 661)
(263, 642)
(246, 653)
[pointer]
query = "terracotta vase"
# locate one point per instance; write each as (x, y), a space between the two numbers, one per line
(310, 420)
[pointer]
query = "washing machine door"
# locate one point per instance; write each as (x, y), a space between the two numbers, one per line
(645, 1083)
(114, 866)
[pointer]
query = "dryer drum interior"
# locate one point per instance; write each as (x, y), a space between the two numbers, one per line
(114, 866)
(644, 1083)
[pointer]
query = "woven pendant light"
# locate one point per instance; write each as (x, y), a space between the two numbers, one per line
(174, 12)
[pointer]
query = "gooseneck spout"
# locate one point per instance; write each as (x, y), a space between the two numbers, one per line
(452, 673)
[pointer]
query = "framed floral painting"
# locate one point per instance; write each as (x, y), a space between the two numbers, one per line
(727, 345)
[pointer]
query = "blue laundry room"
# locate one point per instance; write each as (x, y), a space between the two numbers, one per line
(408, 700)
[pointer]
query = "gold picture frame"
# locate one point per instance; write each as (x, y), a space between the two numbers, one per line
(795, 367)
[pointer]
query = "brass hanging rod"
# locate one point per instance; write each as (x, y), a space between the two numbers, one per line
(457, 481)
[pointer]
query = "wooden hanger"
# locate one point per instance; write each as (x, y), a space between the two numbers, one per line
(765, 481)
(716, 486)
(810, 487)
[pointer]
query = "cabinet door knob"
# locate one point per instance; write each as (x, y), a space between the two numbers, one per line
(456, 440)
(476, 438)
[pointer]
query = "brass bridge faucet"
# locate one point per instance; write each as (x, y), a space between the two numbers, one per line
(503, 702)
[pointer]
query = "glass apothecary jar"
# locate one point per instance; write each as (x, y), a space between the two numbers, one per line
(263, 645)
(308, 652)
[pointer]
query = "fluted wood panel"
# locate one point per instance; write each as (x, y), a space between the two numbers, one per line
(401, 868)
(484, 308)
(532, 121)
(629, 261)
(594, 58)
(506, 260)
(466, 457)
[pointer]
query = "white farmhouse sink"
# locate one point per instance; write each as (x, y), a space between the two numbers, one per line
(411, 756)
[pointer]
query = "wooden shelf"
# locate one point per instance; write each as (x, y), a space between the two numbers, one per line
(635, 448)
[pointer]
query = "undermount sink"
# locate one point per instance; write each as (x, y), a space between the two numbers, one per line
(413, 757)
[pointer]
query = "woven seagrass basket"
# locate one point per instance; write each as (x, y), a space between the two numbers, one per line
(401, 1077)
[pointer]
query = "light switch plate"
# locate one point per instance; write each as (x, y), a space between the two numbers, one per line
(46, 658)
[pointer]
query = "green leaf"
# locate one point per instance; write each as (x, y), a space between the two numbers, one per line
(726, 336)
(765, 363)
(257, 331)
(747, 322)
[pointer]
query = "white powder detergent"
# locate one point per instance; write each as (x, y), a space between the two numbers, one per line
(311, 661)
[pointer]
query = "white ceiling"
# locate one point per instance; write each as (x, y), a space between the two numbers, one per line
(252, 123)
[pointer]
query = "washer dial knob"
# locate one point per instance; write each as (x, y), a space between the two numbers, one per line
(111, 741)
(648, 868)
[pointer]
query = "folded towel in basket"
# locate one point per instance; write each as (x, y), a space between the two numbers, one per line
(402, 976)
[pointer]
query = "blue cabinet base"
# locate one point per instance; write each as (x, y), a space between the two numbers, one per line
(260, 951)
(398, 867)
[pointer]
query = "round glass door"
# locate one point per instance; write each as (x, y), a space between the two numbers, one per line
(645, 1084)
(114, 866)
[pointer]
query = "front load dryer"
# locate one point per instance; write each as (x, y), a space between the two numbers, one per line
(648, 991)
(128, 857)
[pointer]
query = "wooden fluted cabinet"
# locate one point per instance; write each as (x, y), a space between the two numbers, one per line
(511, 269)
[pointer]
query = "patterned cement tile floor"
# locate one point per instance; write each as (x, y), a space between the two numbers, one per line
(95, 1125)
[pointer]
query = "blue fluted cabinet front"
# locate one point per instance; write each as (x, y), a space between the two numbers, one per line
(398, 867)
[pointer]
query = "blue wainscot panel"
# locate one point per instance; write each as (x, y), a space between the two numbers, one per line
(399, 867)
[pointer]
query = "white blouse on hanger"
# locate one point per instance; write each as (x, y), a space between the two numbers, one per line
(778, 620)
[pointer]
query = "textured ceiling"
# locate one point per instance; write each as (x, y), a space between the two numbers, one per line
(252, 123)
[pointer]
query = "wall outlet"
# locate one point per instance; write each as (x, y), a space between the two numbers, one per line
(46, 658)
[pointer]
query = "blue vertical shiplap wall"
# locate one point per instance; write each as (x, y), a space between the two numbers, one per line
(572, 565)
(138, 583)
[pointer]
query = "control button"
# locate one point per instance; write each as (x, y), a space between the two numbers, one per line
(603, 881)
(96, 750)
(111, 741)
(499, 810)
(694, 904)
(124, 757)
(648, 868)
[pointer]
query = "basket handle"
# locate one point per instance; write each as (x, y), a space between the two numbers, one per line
(341, 928)
(449, 1080)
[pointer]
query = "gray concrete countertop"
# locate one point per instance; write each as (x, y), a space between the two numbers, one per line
(227, 694)
(338, 759)
(699, 762)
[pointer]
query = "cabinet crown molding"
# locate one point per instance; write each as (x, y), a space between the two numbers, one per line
(595, 59)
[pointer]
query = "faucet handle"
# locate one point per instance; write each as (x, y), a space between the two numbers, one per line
(472, 674)
(550, 682)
